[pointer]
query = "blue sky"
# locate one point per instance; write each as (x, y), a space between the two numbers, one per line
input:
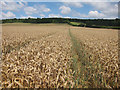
(59, 9)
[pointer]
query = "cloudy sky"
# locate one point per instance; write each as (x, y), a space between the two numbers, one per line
(58, 9)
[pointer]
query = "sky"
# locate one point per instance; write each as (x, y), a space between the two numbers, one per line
(82, 10)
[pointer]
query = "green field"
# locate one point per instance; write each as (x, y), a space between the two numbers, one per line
(92, 26)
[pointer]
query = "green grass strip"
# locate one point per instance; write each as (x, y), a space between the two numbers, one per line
(86, 72)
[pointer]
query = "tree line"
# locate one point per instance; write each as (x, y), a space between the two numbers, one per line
(87, 22)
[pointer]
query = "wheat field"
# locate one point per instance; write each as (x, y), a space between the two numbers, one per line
(52, 56)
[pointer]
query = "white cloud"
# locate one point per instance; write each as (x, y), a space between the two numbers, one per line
(7, 0)
(65, 9)
(74, 4)
(36, 9)
(42, 15)
(30, 10)
(67, 17)
(95, 14)
(42, 8)
(12, 6)
(8, 15)
(107, 8)
(100, 10)
(26, 17)
(0, 16)
(86, 0)
(54, 15)
(63, 0)
(91, 14)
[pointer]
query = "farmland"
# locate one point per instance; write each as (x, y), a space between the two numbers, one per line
(59, 55)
